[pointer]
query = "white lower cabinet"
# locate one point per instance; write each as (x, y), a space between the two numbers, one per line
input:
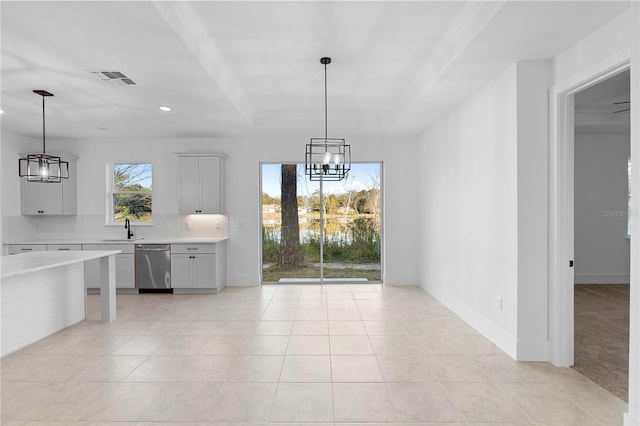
(193, 266)
(199, 266)
(193, 271)
(125, 271)
(25, 248)
(63, 247)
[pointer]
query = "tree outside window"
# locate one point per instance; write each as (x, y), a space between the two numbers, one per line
(132, 192)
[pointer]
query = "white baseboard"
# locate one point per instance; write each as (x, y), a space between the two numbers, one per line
(242, 281)
(400, 284)
(630, 420)
(400, 279)
(499, 337)
(601, 278)
(533, 350)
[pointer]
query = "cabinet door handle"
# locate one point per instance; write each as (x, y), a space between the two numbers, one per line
(26, 249)
(192, 248)
(63, 249)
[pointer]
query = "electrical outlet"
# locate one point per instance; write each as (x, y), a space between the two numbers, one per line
(188, 225)
(499, 303)
(218, 225)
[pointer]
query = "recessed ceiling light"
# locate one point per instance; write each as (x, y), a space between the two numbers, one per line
(1, 111)
(164, 108)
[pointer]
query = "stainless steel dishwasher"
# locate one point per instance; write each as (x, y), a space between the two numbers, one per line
(153, 266)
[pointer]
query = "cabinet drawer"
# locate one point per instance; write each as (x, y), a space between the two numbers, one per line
(125, 248)
(26, 248)
(192, 248)
(64, 247)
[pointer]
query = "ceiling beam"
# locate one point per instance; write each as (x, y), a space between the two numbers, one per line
(186, 23)
(458, 36)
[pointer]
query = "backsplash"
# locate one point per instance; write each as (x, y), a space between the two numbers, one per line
(21, 228)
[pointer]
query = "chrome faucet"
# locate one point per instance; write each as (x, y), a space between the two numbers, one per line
(127, 226)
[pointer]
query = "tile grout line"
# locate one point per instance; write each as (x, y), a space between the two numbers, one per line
(515, 403)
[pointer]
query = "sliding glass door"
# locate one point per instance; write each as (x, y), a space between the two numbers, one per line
(321, 231)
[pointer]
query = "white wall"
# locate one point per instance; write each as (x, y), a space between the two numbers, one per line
(533, 208)
(581, 61)
(400, 204)
(468, 205)
(600, 197)
(484, 204)
(10, 183)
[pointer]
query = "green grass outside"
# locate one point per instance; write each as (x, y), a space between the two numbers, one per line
(274, 273)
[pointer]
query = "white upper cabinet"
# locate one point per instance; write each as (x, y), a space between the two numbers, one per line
(40, 199)
(201, 184)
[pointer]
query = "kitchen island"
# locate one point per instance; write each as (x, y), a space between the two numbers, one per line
(43, 292)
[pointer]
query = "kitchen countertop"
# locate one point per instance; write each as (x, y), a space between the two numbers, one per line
(25, 263)
(167, 240)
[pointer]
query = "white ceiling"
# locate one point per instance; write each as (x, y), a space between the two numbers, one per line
(252, 68)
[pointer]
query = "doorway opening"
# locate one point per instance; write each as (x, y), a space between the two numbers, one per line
(602, 232)
(321, 232)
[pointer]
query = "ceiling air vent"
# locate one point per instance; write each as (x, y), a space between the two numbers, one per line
(114, 77)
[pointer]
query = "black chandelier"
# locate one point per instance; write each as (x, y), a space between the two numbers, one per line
(327, 158)
(44, 168)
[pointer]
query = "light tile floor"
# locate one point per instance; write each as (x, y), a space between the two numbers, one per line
(283, 354)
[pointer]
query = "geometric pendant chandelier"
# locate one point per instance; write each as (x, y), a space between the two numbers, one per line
(43, 168)
(327, 159)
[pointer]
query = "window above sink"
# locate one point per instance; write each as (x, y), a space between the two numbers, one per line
(130, 194)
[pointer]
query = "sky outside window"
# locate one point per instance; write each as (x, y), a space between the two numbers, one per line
(361, 177)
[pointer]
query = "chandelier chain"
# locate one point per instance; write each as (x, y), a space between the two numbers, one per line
(43, 133)
(326, 133)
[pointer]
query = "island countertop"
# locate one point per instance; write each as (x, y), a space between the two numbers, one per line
(150, 240)
(24, 263)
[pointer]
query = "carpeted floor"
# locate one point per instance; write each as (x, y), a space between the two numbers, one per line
(602, 335)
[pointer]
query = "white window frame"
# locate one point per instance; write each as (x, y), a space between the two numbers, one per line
(111, 192)
(321, 278)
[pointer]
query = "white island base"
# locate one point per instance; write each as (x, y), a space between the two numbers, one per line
(43, 292)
